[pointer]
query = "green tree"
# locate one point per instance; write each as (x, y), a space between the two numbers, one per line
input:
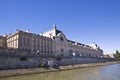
(117, 54)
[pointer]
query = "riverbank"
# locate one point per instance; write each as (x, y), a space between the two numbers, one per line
(4, 73)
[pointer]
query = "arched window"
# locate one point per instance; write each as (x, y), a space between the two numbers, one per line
(77, 54)
(62, 50)
(87, 55)
(61, 39)
(82, 54)
(90, 55)
(70, 52)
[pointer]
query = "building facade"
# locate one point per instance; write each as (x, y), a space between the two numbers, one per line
(63, 46)
(3, 41)
(53, 41)
(29, 42)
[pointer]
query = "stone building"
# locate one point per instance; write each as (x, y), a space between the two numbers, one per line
(3, 41)
(53, 41)
(65, 47)
(29, 42)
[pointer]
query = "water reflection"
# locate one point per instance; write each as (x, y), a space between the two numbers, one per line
(109, 72)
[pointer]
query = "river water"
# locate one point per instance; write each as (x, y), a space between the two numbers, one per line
(108, 72)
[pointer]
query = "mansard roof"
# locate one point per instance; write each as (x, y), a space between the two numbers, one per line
(58, 31)
(73, 42)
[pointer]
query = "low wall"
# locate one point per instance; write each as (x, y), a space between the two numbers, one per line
(73, 61)
(4, 73)
(18, 61)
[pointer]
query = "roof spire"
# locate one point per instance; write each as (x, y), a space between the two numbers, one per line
(54, 26)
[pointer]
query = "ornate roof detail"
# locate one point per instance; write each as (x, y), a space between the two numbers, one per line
(54, 26)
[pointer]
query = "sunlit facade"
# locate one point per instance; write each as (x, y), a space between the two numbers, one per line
(53, 41)
(26, 41)
(65, 47)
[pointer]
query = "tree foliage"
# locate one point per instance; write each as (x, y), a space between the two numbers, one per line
(117, 54)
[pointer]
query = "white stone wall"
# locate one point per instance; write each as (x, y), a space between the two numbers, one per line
(53, 41)
(73, 49)
(49, 33)
(30, 42)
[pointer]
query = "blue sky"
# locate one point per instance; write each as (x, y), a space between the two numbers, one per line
(85, 21)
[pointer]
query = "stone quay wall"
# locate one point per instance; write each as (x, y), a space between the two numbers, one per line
(6, 73)
(18, 61)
